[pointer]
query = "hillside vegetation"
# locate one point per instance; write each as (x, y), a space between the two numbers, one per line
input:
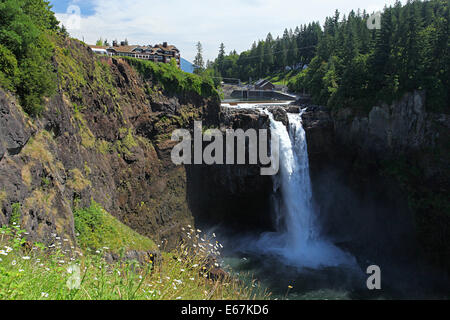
(350, 65)
(55, 272)
(85, 183)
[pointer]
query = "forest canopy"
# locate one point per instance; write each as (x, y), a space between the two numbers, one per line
(344, 63)
(26, 51)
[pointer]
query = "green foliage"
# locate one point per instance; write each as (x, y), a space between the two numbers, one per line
(352, 66)
(356, 67)
(199, 63)
(50, 273)
(173, 80)
(97, 229)
(294, 49)
(8, 67)
(125, 145)
(26, 51)
(16, 214)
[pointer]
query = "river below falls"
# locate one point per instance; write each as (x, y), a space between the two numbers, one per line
(333, 283)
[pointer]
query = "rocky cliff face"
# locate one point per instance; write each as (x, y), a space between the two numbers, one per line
(390, 165)
(234, 196)
(388, 130)
(104, 137)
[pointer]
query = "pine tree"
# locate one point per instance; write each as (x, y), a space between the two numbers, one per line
(198, 61)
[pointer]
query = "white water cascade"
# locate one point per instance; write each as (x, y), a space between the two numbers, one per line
(298, 240)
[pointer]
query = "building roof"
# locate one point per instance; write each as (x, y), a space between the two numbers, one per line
(158, 51)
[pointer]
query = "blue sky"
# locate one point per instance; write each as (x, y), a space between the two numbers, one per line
(236, 23)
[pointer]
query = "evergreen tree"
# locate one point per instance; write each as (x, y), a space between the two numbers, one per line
(198, 61)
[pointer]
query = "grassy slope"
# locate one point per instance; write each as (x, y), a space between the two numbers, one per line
(282, 78)
(36, 272)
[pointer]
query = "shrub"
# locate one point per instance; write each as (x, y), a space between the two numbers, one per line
(8, 68)
(16, 214)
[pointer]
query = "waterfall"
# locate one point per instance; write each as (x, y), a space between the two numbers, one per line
(297, 239)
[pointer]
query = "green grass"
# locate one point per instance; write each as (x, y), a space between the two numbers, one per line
(283, 78)
(96, 229)
(56, 272)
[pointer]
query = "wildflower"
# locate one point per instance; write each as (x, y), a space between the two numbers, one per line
(290, 287)
(13, 262)
(192, 279)
(199, 231)
(2, 252)
(20, 270)
(106, 248)
(26, 258)
(44, 294)
(195, 266)
(178, 298)
(189, 226)
(182, 270)
(8, 249)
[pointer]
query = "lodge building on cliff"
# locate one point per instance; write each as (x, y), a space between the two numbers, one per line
(158, 53)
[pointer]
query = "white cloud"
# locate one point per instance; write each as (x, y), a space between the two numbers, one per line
(237, 23)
